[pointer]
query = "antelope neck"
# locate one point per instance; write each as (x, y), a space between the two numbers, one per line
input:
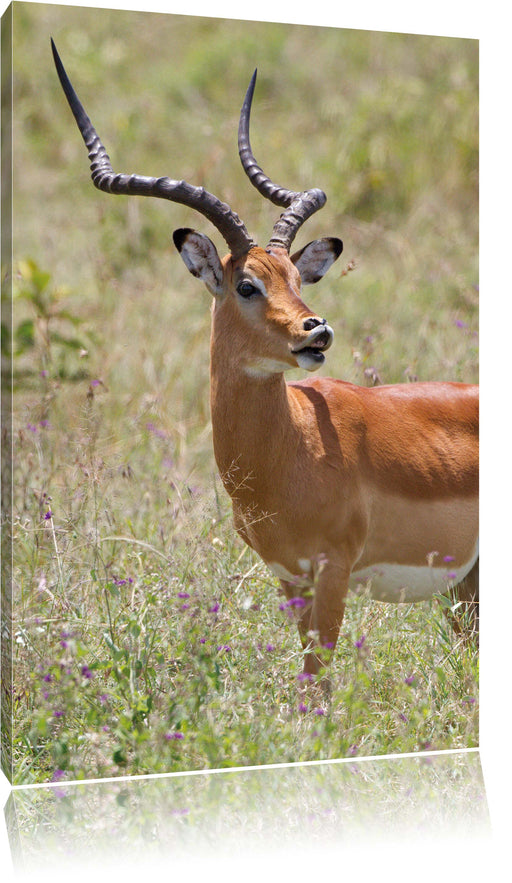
(250, 416)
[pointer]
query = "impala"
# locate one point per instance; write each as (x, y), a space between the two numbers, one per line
(334, 485)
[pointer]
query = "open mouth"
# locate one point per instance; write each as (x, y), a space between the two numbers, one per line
(313, 348)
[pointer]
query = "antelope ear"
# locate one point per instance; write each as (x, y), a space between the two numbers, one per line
(314, 259)
(201, 258)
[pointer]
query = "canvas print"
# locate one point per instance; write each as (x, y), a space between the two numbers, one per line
(240, 415)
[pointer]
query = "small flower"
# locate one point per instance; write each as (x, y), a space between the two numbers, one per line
(183, 595)
(48, 515)
(352, 750)
(47, 678)
(170, 736)
(452, 574)
(304, 676)
(184, 606)
(319, 712)
(106, 729)
(44, 424)
(159, 433)
(214, 608)
(31, 427)
(224, 647)
(58, 714)
(410, 680)
(449, 558)
(202, 640)
(270, 647)
(86, 672)
(328, 645)
(303, 708)
(293, 602)
(58, 775)
(360, 642)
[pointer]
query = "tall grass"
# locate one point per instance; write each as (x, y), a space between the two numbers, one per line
(147, 637)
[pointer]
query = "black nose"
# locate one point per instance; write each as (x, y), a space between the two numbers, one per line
(313, 322)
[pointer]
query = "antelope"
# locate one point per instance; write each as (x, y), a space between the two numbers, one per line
(334, 485)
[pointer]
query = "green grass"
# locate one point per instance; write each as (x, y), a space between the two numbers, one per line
(116, 671)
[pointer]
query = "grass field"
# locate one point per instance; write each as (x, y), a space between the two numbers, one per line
(147, 637)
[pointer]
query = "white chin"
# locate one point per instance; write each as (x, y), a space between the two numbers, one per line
(309, 361)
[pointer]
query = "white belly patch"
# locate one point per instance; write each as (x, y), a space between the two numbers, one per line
(398, 583)
(394, 583)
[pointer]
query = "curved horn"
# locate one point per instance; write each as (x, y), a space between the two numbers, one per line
(225, 220)
(299, 205)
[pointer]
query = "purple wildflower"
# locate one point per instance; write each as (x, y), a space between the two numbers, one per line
(303, 708)
(225, 647)
(183, 595)
(270, 647)
(159, 433)
(448, 559)
(86, 672)
(58, 714)
(319, 712)
(304, 676)
(410, 680)
(293, 602)
(214, 608)
(360, 642)
(48, 515)
(170, 736)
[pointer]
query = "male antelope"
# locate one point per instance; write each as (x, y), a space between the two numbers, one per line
(332, 484)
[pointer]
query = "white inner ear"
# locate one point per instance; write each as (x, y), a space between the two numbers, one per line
(201, 258)
(314, 260)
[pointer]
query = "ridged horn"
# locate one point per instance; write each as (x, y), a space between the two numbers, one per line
(221, 215)
(299, 205)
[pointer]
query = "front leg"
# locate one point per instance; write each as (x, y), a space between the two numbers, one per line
(327, 611)
(319, 620)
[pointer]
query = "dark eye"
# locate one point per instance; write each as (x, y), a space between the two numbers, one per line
(246, 288)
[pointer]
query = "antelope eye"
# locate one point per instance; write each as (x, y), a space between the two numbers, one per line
(246, 288)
